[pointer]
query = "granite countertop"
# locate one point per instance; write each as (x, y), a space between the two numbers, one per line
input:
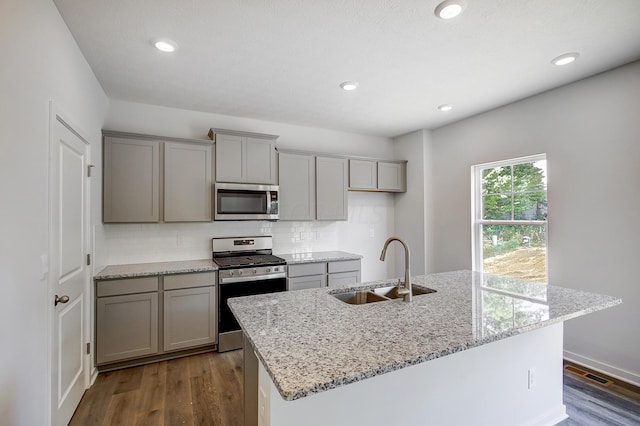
(310, 342)
(318, 256)
(156, 268)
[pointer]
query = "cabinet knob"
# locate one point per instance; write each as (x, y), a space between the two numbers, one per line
(60, 299)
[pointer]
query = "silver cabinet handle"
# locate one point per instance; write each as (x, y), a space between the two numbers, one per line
(61, 299)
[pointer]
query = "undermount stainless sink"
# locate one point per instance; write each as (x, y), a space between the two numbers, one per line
(380, 294)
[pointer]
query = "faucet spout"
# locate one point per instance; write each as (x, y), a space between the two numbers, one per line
(403, 289)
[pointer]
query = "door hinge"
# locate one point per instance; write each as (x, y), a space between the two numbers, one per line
(89, 167)
(88, 348)
(88, 259)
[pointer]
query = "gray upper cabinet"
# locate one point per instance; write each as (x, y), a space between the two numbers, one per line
(187, 182)
(331, 188)
(230, 161)
(131, 180)
(392, 176)
(363, 174)
(136, 165)
(297, 177)
(377, 175)
(245, 157)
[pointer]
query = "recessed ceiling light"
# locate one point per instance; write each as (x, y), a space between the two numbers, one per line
(565, 59)
(445, 107)
(349, 85)
(448, 9)
(165, 46)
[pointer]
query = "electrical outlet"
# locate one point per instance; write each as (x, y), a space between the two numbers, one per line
(531, 378)
(262, 405)
(372, 232)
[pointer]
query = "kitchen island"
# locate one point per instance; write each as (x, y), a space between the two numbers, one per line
(480, 349)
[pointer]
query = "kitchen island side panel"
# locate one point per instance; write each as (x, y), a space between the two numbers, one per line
(488, 384)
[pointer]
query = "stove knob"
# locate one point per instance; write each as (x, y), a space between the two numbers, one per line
(239, 272)
(255, 271)
(269, 270)
(230, 273)
(276, 269)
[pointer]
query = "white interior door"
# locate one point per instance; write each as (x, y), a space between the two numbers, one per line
(69, 273)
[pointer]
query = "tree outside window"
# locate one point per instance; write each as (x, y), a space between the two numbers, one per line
(510, 218)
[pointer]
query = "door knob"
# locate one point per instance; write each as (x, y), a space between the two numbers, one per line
(61, 299)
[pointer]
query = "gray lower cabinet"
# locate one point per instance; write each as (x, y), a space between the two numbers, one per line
(137, 318)
(126, 327)
(297, 177)
(332, 178)
(301, 276)
(343, 272)
(189, 318)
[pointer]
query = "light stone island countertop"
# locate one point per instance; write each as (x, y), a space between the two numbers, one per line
(157, 268)
(318, 256)
(310, 342)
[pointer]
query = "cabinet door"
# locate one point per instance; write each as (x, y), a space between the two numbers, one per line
(187, 182)
(260, 160)
(297, 177)
(189, 318)
(344, 278)
(230, 159)
(131, 180)
(363, 174)
(331, 188)
(301, 283)
(126, 327)
(391, 176)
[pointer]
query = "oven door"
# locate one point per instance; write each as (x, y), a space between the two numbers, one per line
(246, 202)
(229, 332)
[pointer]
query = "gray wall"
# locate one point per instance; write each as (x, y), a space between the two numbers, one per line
(590, 131)
(40, 62)
(410, 218)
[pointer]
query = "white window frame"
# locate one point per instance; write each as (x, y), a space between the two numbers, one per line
(476, 208)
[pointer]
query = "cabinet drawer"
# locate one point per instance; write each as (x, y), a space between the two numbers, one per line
(126, 286)
(344, 266)
(303, 283)
(305, 269)
(199, 279)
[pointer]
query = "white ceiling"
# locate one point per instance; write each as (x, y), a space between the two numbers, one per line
(283, 60)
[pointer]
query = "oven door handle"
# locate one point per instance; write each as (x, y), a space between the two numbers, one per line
(231, 280)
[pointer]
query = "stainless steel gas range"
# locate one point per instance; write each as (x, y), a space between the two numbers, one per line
(246, 267)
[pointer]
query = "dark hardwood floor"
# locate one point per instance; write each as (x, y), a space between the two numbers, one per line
(198, 390)
(206, 389)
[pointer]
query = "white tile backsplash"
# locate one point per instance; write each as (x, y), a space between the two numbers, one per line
(139, 243)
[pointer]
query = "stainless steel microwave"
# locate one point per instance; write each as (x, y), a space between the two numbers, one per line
(238, 201)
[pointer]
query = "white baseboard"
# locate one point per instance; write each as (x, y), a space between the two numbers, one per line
(550, 418)
(94, 376)
(603, 368)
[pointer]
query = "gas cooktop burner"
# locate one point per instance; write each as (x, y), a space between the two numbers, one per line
(250, 260)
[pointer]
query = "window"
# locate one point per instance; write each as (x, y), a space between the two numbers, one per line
(510, 218)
